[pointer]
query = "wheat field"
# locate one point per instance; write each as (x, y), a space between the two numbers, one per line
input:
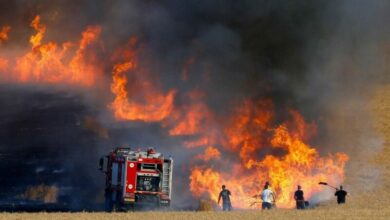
(322, 213)
(372, 204)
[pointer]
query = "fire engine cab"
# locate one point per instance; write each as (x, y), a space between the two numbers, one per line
(142, 178)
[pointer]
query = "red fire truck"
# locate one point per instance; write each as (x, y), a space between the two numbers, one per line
(142, 178)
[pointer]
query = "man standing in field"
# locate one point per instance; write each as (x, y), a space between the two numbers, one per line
(268, 198)
(341, 194)
(225, 195)
(300, 200)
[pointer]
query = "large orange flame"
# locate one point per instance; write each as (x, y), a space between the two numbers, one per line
(51, 63)
(145, 102)
(277, 154)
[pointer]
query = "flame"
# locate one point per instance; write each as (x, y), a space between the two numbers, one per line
(4, 33)
(247, 132)
(191, 118)
(266, 151)
(209, 153)
(199, 142)
(36, 39)
(194, 119)
(55, 63)
(145, 102)
(82, 66)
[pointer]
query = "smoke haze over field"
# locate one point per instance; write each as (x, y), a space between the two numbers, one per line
(202, 62)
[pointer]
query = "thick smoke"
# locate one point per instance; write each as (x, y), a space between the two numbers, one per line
(346, 64)
(319, 57)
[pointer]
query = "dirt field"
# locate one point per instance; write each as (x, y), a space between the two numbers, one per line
(373, 204)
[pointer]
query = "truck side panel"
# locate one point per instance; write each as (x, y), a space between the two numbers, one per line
(131, 170)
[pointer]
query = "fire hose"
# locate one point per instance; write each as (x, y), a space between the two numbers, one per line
(326, 184)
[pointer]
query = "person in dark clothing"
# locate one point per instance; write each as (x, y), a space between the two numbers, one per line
(225, 195)
(341, 194)
(299, 198)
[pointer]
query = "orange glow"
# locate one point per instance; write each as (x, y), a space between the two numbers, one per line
(191, 118)
(194, 120)
(4, 33)
(186, 68)
(145, 101)
(267, 152)
(3, 64)
(191, 121)
(4, 37)
(199, 142)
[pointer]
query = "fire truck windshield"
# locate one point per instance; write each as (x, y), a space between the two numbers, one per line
(148, 183)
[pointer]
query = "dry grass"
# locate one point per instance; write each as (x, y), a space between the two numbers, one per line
(46, 194)
(336, 213)
(374, 204)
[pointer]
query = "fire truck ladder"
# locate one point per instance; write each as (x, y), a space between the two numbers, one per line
(167, 177)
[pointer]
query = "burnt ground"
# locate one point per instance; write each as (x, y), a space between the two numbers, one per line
(43, 141)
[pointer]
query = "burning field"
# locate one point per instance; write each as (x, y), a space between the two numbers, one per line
(239, 93)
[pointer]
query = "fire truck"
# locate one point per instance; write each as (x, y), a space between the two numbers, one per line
(136, 178)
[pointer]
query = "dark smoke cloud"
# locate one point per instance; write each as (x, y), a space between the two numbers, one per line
(320, 57)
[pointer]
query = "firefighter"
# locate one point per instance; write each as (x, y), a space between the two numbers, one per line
(268, 198)
(225, 195)
(299, 198)
(341, 194)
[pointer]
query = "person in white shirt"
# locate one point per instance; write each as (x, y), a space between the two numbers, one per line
(268, 198)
